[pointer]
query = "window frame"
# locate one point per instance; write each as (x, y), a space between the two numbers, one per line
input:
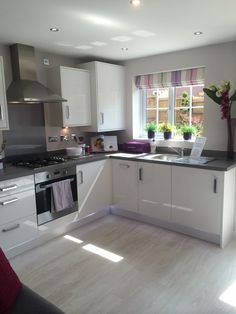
(171, 107)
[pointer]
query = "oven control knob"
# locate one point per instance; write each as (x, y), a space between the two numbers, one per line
(65, 172)
(49, 176)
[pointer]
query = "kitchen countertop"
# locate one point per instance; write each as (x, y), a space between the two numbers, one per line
(11, 172)
(216, 164)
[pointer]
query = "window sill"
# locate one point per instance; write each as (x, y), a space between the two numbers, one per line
(177, 141)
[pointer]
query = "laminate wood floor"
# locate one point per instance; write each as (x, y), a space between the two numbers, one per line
(161, 271)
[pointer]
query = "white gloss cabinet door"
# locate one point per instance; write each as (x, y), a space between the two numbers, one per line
(197, 198)
(125, 184)
(75, 87)
(3, 100)
(110, 96)
(94, 186)
(155, 190)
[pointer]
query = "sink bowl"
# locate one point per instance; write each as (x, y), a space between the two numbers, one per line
(164, 157)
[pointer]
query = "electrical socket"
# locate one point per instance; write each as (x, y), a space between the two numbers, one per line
(52, 139)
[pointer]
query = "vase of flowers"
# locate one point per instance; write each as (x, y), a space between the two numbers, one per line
(221, 96)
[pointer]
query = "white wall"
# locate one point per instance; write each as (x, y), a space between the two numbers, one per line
(220, 63)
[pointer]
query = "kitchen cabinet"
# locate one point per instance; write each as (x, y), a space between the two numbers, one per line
(94, 186)
(18, 222)
(125, 184)
(204, 200)
(73, 84)
(3, 101)
(107, 96)
(154, 190)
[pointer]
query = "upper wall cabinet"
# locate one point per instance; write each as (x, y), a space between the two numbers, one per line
(107, 96)
(3, 100)
(74, 85)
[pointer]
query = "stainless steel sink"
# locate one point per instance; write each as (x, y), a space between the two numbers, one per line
(178, 159)
(164, 157)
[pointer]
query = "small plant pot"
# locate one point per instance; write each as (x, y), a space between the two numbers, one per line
(187, 136)
(151, 134)
(167, 135)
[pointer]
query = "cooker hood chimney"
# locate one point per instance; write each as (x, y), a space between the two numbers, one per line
(24, 87)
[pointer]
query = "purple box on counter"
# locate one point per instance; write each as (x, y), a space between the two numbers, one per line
(136, 147)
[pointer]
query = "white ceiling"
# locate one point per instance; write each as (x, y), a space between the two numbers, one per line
(83, 22)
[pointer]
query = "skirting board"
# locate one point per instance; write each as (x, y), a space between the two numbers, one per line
(57, 231)
(213, 238)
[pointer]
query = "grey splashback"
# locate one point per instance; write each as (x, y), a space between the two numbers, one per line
(27, 130)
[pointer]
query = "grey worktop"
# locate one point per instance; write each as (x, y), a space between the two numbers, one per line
(11, 172)
(216, 164)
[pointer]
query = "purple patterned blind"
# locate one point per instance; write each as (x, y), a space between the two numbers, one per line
(194, 76)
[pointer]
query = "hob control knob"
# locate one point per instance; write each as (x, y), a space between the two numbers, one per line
(65, 172)
(49, 176)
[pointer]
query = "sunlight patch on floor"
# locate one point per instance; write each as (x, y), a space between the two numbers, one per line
(104, 253)
(229, 295)
(76, 240)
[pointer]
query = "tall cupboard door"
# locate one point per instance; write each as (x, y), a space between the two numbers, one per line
(3, 100)
(94, 186)
(75, 87)
(107, 96)
(125, 184)
(197, 198)
(155, 190)
(110, 96)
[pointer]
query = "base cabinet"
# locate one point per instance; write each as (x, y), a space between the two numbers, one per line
(197, 197)
(198, 202)
(125, 184)
(94, 187)
(18, 222)
(154, 190)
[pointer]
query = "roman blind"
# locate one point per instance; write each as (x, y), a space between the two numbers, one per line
(186, 77)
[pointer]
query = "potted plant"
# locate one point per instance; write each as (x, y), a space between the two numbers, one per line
(187, 131)
(151, 128)
(166, 129)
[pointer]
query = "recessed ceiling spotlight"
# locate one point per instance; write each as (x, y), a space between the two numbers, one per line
(198, 33)
(135, 3)
(124, 48)
(54, 29)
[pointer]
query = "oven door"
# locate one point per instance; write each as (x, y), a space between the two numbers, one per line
(44, 200)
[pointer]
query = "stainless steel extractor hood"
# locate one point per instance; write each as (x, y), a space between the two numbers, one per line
(25, 88)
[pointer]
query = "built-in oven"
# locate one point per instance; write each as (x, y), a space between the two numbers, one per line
(44, 182)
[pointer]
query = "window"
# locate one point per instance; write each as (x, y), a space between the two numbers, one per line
(176, 97)
(176, 105)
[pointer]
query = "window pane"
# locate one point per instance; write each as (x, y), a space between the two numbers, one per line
(157, 105)
(182, 96)
(163, 116)
(181, 116)
(151, 116)
(198, 96)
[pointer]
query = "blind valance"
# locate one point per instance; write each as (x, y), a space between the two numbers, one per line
(186, 77)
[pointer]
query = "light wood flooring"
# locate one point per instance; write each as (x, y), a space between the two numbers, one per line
(161, 271)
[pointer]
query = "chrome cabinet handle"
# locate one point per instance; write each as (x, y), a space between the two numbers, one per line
(215, 185)
(8, 188)
(1, 117)
(13, 200)
(102, 117)
(67, 112)
(81, 177)
(124, 166)
(11, 228)
(140, 174)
